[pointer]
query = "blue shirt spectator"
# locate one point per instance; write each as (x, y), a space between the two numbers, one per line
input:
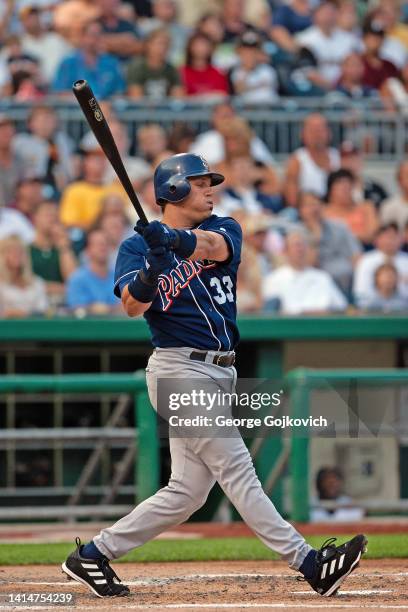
(102, 71)
(91, 285)
(287, 17)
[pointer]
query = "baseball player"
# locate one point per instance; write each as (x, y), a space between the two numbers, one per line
(180, 274)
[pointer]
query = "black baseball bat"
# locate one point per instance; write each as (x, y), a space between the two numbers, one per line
(103, 135)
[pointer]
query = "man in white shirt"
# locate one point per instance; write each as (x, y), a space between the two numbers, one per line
(388, 243)
(210, 144)
(329, 45)
(298, 287)
(395, 209)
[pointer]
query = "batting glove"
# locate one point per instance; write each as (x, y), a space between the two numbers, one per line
(143, 287)
(182, 242)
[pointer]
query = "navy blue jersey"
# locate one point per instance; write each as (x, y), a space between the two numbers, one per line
(196, 300)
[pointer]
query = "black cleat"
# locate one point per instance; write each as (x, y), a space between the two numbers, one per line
(96, 574)
(335, 563)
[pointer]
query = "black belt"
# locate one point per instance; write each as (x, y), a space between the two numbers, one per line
(225, 361)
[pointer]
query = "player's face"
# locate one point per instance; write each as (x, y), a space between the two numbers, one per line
(199, 204)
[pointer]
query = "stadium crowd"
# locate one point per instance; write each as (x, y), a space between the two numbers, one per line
(320, 235)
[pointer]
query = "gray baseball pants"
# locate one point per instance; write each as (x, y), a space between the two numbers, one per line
(197, 463)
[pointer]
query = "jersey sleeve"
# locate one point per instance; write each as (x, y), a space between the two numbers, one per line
(131, 257)
(232, 233)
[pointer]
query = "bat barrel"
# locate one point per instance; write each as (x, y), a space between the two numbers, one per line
(81, 84)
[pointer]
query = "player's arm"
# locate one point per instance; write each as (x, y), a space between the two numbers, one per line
(138, 294)
(210, 245)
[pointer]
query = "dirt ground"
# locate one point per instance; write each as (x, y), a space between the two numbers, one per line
(238, 585)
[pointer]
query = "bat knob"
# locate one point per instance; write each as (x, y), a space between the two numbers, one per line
(81, 84)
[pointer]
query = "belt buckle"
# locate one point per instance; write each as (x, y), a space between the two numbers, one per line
(217, 360)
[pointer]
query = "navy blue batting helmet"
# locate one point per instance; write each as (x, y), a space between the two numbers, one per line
(171, 182)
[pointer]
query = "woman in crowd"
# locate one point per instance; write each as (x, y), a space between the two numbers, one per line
(199, 75)
(360, 217)
(21, 292)
(387, 296)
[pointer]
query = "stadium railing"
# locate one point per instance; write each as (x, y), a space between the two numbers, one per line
(382, 134)
(142, 441)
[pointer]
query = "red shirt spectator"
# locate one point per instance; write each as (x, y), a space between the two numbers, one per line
(376, 69)
(199, 76)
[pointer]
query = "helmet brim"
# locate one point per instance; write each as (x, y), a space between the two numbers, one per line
(216, 178)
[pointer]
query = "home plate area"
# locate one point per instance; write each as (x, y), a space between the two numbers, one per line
(216, 585)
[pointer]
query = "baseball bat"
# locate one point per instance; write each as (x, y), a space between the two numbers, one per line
(103, 135)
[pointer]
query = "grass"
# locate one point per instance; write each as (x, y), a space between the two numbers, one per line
(217, 549)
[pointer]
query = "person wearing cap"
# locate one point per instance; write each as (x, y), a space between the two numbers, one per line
(351, 158)
(253, 80)
(376, 69)
(388, 243)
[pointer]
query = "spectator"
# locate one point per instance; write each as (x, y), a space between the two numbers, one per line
(365, 187)
(376, 69)
(23, 79)
(395, 208)
(394, 92)
(46, 150)
(71, 16)
(388, 244)
(212, 26)
(28, 195)
(81, 201)
(14, 223)
(259, 233)
(387, 296)
(148, 200)
(347, 17)
(200, 77)
(337, 250)
(138, 169)
(52, 257)
(351, 78)
(90, 286)
(151, 76)
(237, 143)
(152, 143)
(329, 485)
(11, 166)
(288, 20)
(210, 144)
(120, 37)
(395, 46)
(253, 80)
(101, 70)
(360, 217)
(21, 293)
(249, 282)
(233, 17)
(309, 166)
(297, 288)
(165, 16)
(114, 222)
(181, 137)
(329, 45)
(48, 47)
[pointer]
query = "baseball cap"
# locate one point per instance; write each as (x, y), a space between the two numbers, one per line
(250, 38)
(348, 147)
(374, 26)
(255, 223)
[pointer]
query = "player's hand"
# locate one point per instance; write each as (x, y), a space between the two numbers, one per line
(157, 234)
(158, 260)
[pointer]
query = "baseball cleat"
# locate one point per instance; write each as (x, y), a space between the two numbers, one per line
(335, 563)
(96, 574)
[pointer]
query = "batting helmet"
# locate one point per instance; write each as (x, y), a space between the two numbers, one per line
(171, 182)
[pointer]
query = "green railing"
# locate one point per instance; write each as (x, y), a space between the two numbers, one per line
(302, 382)
(147, 464)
